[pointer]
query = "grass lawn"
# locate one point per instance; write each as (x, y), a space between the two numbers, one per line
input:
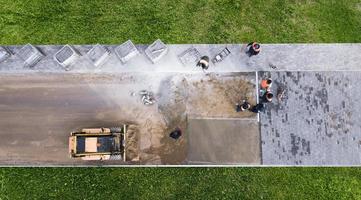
(180, 183)
(174, 21)
(197, 21)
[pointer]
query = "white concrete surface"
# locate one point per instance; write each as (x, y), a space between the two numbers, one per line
(285, 57)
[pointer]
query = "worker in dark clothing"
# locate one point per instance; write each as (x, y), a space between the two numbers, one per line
(204, 62)
(253, 49)
(176, 133)
(267, 97)
(242, 107)
(258, 108)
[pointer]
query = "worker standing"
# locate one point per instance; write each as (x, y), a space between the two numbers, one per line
(253, 49)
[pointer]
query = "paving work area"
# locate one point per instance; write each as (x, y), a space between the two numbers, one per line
(159, 89)
(39, 112)
(317, 123)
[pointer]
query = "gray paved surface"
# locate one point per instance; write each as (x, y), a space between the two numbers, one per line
(224, 141)
(290, 57)
(318, 123)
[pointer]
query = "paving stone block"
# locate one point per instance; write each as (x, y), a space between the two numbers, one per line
(126, 51)
(156, 50)
(30, 55)
(66, 56)
(98, 54)
(4, 54)
(190, 56)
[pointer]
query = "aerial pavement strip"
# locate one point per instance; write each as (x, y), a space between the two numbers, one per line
(317, 123)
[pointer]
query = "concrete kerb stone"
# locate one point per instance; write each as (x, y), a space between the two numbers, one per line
(190, 56)
(156, 50)
(126, 51)
(66, 56)
(30, 55)
(98, 55)
(4, 54)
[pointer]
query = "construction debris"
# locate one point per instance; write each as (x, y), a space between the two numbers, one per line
(281, 93)
(147, 97)
(273, 66)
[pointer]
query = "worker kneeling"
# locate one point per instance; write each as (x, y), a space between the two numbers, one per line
(243, 107)
(204, 62)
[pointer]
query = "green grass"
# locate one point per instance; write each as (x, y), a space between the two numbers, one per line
(175, 21)
(198, 21)
(180, 183)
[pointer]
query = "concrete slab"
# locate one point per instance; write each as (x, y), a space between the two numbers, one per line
(308, 57)
(223, 141)
(318, 123)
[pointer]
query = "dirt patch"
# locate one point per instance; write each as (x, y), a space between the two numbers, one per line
(170, 151)
(195, 95)
(216, 96)
(132, 144)
(172, 110)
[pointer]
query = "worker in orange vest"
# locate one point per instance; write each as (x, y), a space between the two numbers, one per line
(266, 84)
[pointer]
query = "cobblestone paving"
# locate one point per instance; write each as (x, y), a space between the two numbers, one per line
(318, 122)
